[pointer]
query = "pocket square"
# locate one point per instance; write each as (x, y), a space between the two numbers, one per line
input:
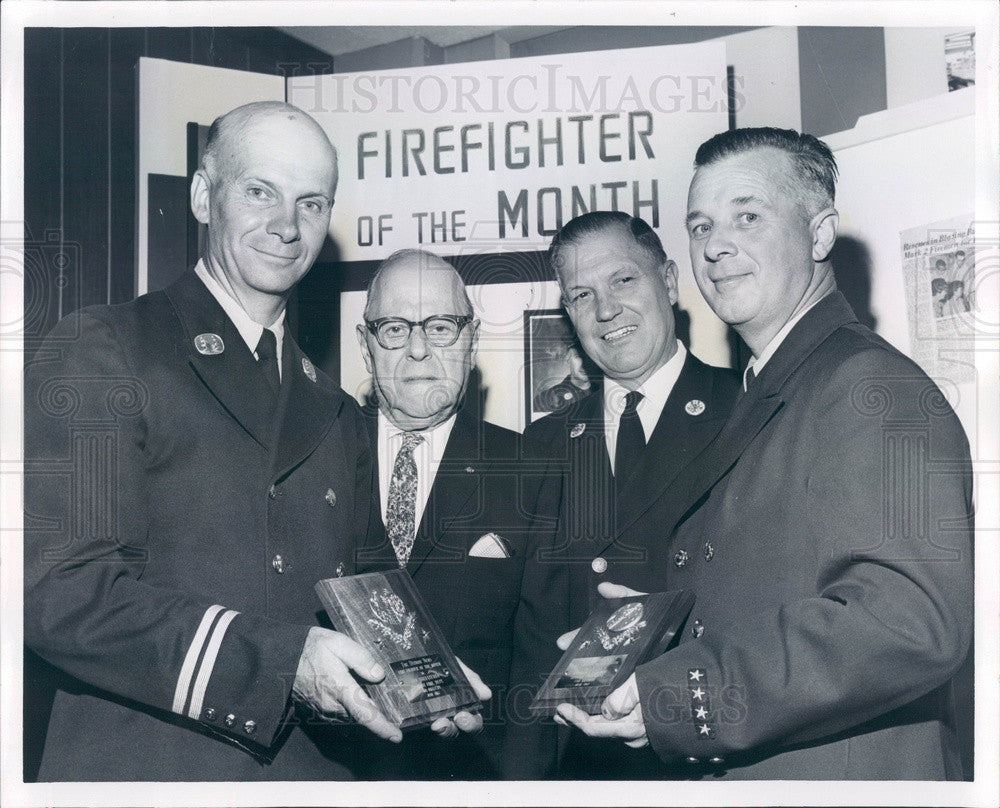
(490, 546)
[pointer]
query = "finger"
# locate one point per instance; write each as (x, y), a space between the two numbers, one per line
(597, 726)
(566, 640)
(483, 693)
(356, 657)
(622, 700)
(560, 720)
(610, 590)
(366, 712)
(444, 728)
(638, 743)
(469, 723)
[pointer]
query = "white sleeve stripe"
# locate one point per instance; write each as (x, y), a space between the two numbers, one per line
(191, 659)
(208, 663)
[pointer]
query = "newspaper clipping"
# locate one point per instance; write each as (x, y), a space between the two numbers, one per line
(940, 277)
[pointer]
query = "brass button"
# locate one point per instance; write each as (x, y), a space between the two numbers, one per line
(229, 720)
(209, 714)
(250, 727)
(331, 497)
(340, 570)
(692, 760)
(709, 551)
(278, 563)
(681, 558)
(698, 629)
(599, 565)
(272, 492)
(716, 761)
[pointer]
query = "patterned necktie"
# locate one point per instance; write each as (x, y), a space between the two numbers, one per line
(400, 512)
(631, 439)
(267, 358)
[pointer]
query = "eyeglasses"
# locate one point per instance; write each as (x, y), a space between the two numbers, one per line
(440, 330)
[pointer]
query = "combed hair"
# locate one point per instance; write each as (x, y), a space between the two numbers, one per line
(427, 260)
(811, 157)
(603, 221)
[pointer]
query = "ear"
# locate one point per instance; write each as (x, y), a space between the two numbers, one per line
(670, 275)
(199, 196)
(824, 226)
(366, 353)
(474, 347)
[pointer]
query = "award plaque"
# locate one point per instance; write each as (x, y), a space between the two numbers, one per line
(620, 634)
(383, 611)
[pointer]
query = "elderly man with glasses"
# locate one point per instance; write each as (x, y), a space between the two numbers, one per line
(464, 515)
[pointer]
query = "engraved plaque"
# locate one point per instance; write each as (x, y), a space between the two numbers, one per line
(620, 634)
(383, 611)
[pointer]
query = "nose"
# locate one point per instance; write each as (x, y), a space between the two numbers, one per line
(607, 307)
(285, 223)
(718, 245)
(417, 345)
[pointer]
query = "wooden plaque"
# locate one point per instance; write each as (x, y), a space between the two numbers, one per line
(383, 611)
(620, 634)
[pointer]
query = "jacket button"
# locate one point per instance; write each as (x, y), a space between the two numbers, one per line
(278, 563)
(692, 760)
(209, 714)
(229, 720)
(330, 497)
(709, 551)
(681, 558)
(250, 727)
(340, 570)
(716, 761)
(272, 492)
(599, 565)
(698, 629)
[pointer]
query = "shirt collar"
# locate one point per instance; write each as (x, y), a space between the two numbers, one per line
(248, 328)
(655, 390)
(758, 362)
(435, 438)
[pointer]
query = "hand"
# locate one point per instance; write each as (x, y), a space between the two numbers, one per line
(463, 721)
(620, 717)
(606, 590)
(324, 681)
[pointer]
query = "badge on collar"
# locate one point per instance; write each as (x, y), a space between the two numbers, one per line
(694, 407)
(209, 344)
(577, 430)
(308, 369)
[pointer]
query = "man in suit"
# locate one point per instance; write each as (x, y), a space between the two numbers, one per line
(190, 475)
(828, 527)
(463, 513)
(623, 446)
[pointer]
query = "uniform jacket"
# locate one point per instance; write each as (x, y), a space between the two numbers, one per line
(494, 612)
(828, 537)
(175, 528)
(617, 531)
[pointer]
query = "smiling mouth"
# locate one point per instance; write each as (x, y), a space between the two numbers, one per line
(619, 333)
(277, 256)
(729, 280)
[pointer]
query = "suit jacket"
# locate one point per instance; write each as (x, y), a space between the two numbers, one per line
(175, 525)
(828, 531)
(617, 531)
(494, 612)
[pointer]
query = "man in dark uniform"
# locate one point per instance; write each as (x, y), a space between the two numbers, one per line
(464, 515)
(828, 527)
(189, 476)
(623, 446)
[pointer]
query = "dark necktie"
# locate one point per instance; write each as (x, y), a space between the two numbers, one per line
(267, 359)
(631, 439)
(400, 511)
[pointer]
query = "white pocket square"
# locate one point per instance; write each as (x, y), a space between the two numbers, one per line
(490, 546)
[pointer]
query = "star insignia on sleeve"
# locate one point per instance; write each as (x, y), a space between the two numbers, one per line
(701, 712)
(698, 693)
(696, 674)
(704, 729)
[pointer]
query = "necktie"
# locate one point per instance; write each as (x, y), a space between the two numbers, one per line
(400, 512)
(631, 439)
(267, 358)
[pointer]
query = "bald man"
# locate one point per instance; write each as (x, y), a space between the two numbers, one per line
(463, 514)
(190, 476)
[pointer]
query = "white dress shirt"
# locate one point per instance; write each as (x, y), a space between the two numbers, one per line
(248, 328)
(427, 456)
(758, 362)
(655, 392)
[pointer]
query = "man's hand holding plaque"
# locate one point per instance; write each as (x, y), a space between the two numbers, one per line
(423, 681)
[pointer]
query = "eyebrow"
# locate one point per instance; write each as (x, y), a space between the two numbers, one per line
(747, 200)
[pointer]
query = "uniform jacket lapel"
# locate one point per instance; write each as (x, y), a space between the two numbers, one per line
(758, 405)
(232, 375)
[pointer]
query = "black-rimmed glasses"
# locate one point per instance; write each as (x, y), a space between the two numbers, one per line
(440, 330)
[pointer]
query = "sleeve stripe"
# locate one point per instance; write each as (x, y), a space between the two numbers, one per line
(208, 663)
(191, 659)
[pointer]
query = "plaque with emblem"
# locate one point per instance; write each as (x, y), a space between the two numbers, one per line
(384, 612)
(620, 634)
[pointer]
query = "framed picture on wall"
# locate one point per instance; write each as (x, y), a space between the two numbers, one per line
(557, 373)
